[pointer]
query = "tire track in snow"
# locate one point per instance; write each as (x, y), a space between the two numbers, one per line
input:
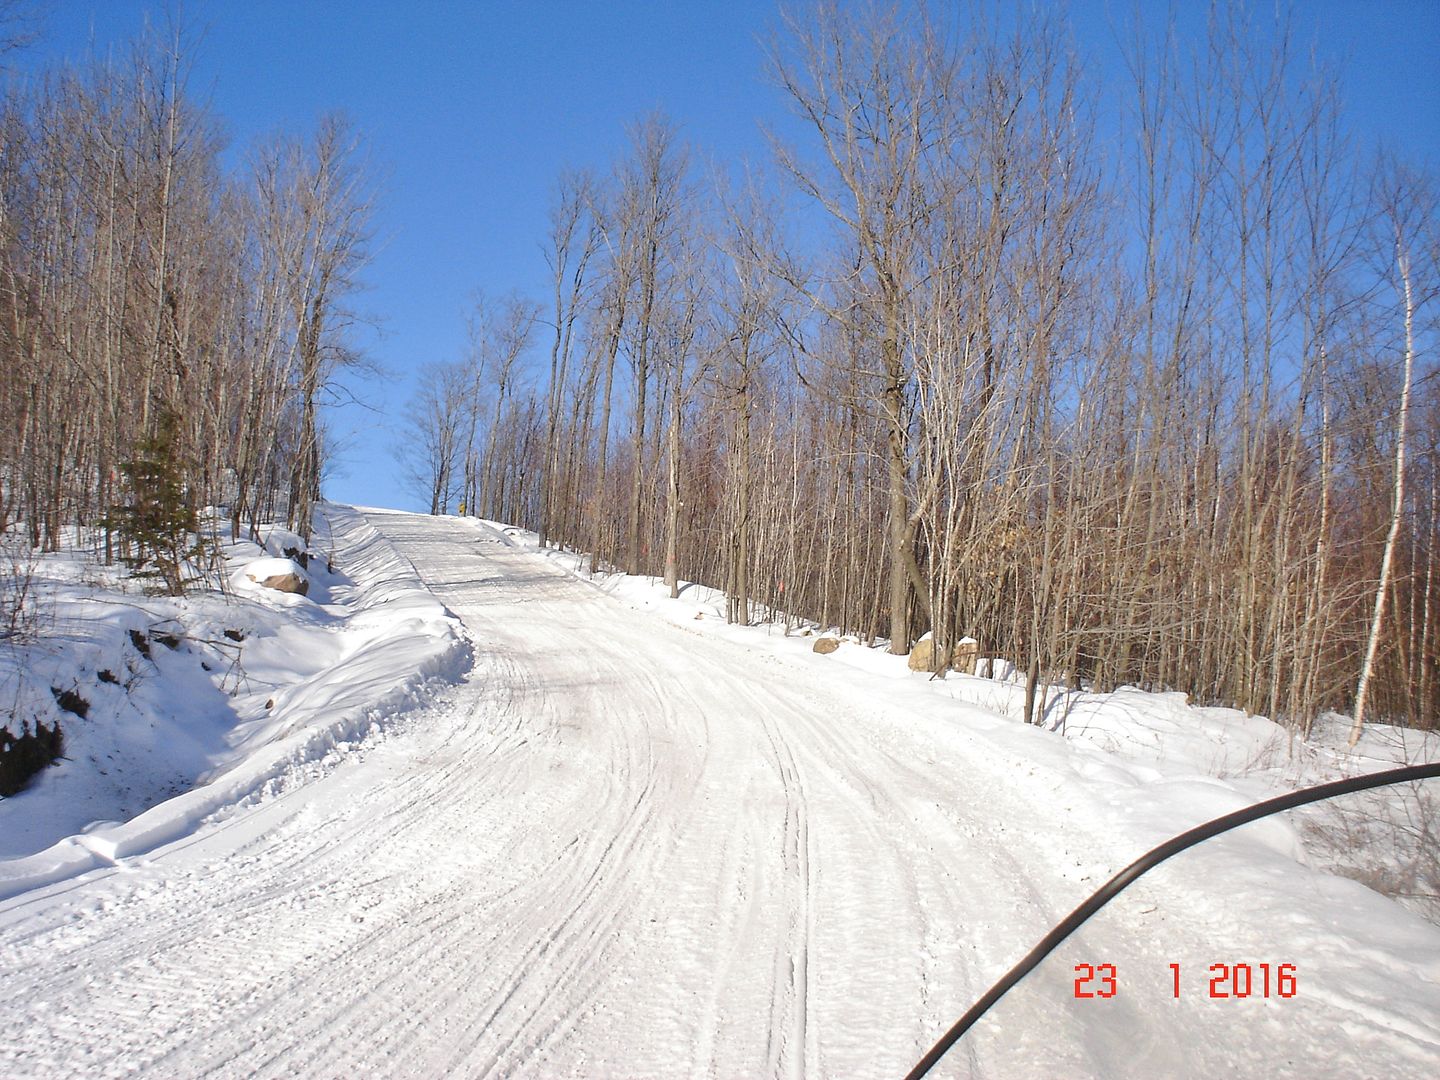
(585, 907)
(788, 1042)
(787, 921)
(568, 965)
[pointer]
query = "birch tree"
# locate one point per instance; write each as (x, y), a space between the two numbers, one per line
(1407, 208)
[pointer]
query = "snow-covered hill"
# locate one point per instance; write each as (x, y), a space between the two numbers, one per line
(626, 845)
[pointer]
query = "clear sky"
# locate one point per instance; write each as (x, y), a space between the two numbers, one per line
(473, 107)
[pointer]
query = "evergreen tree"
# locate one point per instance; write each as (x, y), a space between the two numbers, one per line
(157, 522)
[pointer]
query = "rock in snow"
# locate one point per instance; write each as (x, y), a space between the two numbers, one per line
(967, 652)
(282, 575)
(291, 583)
(922, 656)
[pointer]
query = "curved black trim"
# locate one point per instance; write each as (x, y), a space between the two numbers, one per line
(1148, 861)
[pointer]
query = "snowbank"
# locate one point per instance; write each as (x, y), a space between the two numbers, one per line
(235, 696)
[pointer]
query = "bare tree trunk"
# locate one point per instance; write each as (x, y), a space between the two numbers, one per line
(1397, 506)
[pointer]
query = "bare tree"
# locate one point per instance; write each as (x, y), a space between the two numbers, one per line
(749, 332)
(432, 446)
(574, 241)
(138, 279)
(652, 194)
(1407, 207)
(331, 194)
(500, 335)
(21, 25)
(876, 92)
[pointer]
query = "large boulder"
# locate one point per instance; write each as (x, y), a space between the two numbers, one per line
(922, 656)
(282, 575)
(967, 652)
(826, 645)
(962, 657)
(291, 583)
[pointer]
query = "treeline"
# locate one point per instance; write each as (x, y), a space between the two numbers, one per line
(1134, 385)
(140, 279)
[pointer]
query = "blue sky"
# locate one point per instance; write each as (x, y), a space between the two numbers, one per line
(473, 108)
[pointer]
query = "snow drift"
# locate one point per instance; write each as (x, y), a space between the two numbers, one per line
(312, 676)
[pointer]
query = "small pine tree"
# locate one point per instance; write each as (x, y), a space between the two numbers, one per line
(156, 521)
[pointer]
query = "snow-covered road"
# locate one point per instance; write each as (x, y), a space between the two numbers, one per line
(624, 849)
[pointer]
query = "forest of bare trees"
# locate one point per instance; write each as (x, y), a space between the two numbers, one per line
(1134, 384)
(140, 281)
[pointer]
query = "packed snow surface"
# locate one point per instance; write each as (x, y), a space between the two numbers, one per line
(634, 846)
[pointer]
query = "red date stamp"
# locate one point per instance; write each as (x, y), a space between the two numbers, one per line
(1096, 980)
(1225, 981)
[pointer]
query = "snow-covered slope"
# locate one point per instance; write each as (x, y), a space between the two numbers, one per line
(201, 704)
(627, 846)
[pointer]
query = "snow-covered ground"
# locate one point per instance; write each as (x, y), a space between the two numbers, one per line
(1389, 837)
(630, 845)
(197, 705)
